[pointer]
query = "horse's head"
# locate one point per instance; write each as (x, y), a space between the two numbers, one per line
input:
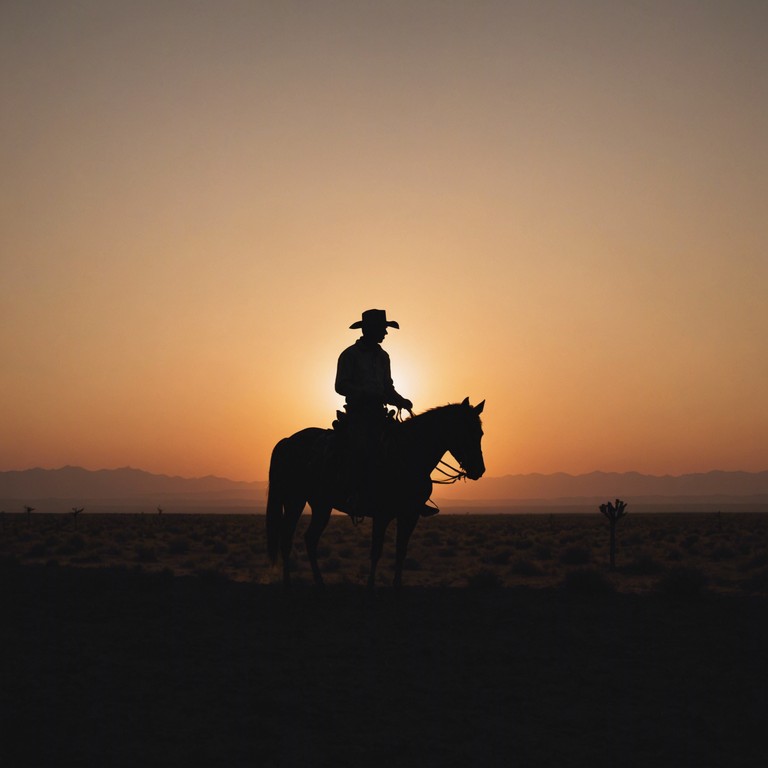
(466, 437)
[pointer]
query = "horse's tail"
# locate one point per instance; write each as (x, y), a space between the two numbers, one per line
(275, 497)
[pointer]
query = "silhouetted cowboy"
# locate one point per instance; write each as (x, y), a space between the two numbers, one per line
(364, 377)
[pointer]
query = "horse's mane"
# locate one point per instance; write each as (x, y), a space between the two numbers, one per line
(452, 410)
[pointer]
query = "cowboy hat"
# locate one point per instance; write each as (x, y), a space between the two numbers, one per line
(376, 317)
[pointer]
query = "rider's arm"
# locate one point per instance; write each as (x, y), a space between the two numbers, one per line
(391, 395)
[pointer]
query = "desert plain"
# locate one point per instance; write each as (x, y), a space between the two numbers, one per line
(167, 640)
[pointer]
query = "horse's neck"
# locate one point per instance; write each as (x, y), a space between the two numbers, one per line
(426, 440)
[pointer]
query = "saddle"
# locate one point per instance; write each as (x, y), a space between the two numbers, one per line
(356, 458)
(358, 469)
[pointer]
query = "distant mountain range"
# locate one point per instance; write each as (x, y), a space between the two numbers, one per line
(134, 486)
(123, 485)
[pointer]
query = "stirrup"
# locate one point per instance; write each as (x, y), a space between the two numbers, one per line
(429, 510)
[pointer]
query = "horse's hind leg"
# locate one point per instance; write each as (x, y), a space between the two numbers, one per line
(321, 513)
(293, 509)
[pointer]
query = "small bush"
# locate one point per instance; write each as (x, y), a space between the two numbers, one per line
(575, 555)
(587, 581)
(37, 550)
(500, 558)
(758, 561)
(484, 580)
(642, 565)
(525, 568)
(723, 552)
(146, 554)
(682, 583)
(178, 546)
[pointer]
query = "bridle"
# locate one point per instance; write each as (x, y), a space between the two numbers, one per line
(450, 477)
(452, 474)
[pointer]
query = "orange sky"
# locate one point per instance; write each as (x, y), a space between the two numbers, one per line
(563, 204)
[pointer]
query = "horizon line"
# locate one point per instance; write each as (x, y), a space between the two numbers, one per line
(489, 477)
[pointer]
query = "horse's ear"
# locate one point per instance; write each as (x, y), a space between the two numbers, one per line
(465, 401)
(479, 408)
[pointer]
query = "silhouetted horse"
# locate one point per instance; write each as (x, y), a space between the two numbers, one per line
(299, 472)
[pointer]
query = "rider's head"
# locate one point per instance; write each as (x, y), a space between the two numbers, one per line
(374, 324)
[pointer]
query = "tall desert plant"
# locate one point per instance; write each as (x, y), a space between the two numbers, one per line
(613, 511)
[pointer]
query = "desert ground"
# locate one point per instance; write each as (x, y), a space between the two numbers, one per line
(167, 640)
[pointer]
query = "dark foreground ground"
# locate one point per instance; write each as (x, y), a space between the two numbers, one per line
(116, 666)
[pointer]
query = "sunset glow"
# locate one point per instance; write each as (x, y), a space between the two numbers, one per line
(563, 205)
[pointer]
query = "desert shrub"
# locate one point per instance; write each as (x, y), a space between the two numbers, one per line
(642, 565)
(178, 546)
(682, 582)
(758, 561)
(525, 568)
(690, 542)
(346, 552)
(446, 552)
(722, 552)
(575, 555)
(332, 565)
(212, 577)
(524, 543)
(675, 555)
(543, 552)
(587, 581)
(411, 564)
(146, 554)
(91, 559)
(484, 580)
(757, 582)
(36, 550)
(500, 558)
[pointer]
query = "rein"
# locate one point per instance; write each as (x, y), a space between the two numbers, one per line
(450, 477)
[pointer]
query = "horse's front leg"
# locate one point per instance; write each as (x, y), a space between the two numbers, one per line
(380, 523)
(406, 522)
(321, 514)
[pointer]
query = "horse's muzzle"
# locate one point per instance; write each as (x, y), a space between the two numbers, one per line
(475, 473)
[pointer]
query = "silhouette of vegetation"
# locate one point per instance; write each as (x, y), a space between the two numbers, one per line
(613, 511)
(587, 581)
(449, 549)
(682, 582)
(75, 512)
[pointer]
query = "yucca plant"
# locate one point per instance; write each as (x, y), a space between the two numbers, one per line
(613, 511)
